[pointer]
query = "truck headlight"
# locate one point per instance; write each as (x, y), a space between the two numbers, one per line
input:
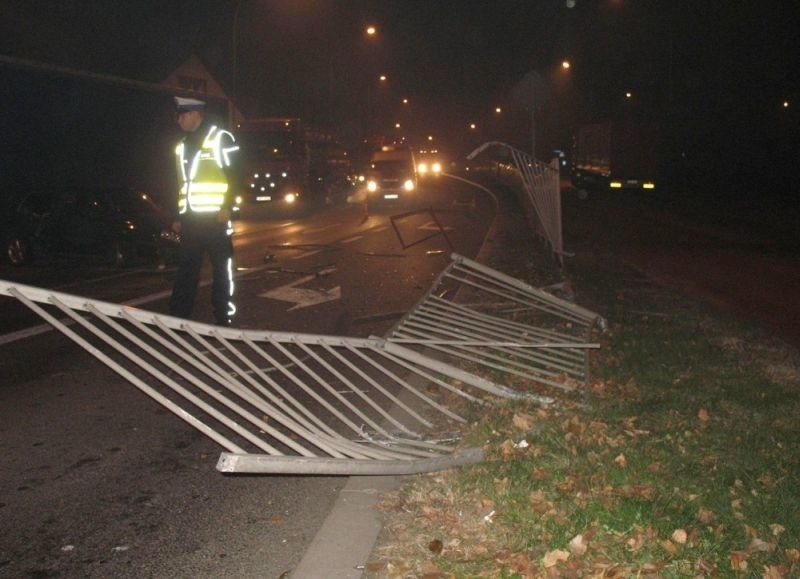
(372, 185)
(408, 185)
(290, 198)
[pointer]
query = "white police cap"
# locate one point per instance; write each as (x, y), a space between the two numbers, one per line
(187, 104)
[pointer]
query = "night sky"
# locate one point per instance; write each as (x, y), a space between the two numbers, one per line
(714, 74)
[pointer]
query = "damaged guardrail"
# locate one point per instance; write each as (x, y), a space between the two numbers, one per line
(292, 403)
(501, 324)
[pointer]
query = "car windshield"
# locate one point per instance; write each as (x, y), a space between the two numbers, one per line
(266, 145)
(392, 168)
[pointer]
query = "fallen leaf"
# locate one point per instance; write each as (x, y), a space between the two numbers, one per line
(750, 532)
(541, 474)
(679, 536)
(539, 503)
(635, 543)
(620, 461)
(739, 560)
(522, 421)
(774, 572)
(703, 415)
(705, 567)
(669, 547)
(777, 529)
(577, 546)
(551, 558)
(705, 515)
(435, 546)
(793, 554)
(507, 449)
(430, 570)
(757, 545)
(501, 485)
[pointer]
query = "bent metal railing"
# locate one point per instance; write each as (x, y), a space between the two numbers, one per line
(277, 402)
(290, 403)
(502, 325)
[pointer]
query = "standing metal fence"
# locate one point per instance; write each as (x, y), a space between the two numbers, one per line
(541, 188)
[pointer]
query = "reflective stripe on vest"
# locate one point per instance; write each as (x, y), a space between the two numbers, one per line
(204, 185)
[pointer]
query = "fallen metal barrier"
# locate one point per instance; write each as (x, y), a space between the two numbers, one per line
(276, 402)
(290, 403)
(502, 325)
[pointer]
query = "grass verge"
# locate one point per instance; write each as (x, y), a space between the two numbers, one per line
(685, 463)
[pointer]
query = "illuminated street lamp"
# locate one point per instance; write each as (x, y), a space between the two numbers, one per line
(565, 64)
(371, 30)
(628, 94)
(473, 126)
(382, 78)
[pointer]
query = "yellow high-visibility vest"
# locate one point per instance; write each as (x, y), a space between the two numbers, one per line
(204, 185)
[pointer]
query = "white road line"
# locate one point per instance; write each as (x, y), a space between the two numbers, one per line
(352, 239)
(43, 328)
(305, 254)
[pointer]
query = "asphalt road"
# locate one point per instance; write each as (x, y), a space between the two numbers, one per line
(100, 481)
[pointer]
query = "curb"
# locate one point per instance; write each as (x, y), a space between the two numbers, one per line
(343, 544)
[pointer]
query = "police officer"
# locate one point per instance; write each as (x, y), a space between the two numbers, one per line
(205, 201)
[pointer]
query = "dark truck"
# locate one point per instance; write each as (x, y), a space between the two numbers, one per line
(616, 155)
(289, 166)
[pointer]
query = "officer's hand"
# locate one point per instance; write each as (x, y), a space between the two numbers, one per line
(176, 226)
(224, 215)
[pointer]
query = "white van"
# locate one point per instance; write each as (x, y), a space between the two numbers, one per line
(392, 173)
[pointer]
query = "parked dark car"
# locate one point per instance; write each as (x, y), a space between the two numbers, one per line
(115, 225)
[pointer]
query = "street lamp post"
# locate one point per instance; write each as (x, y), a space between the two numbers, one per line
(234, 64)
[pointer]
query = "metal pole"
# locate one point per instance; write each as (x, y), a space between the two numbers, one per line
(234, 64)
(533, 126)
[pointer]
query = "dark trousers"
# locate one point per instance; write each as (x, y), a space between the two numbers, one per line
(200, 236)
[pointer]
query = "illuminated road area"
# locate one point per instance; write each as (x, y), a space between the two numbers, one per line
(99, 481)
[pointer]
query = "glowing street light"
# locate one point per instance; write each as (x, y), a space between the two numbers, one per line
(382, 78)
(498, 110)
(565, 64)
(473, 126)
(371, 30)
(628, 94)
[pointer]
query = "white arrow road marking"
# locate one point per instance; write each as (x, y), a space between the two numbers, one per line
(432, 225)
(302, 297)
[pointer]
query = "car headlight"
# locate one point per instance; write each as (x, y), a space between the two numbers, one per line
(436, 167)
(372, 186)
(422, 168)
(408, 185)
(290, 198)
